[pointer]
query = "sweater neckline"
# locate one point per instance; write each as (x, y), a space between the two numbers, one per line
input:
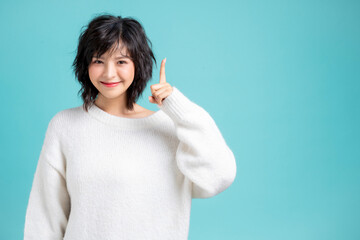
(124, 122)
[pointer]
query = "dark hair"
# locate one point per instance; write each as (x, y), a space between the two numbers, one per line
(102, 34)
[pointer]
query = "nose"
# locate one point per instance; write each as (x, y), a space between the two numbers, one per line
(109, 71)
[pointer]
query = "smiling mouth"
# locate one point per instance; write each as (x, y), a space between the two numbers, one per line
(109, 82)
(112, 84)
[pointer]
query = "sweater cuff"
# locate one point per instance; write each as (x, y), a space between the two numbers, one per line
(177, 105)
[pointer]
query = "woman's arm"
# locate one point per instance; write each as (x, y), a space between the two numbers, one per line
(49, 202)
(202, 155)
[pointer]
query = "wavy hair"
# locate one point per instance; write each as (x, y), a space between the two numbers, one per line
(103, 33)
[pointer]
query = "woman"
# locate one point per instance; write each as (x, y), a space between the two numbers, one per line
(111, 169)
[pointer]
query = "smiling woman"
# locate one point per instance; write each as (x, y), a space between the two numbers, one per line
(102, 175)
(113, 49)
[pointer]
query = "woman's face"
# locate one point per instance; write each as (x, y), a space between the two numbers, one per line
(117, 68)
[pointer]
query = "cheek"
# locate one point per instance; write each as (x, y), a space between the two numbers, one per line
(127, 73)
(93, 72)
(131, 71)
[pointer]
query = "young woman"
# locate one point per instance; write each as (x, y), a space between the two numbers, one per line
(111, 169)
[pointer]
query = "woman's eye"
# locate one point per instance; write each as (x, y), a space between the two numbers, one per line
(98, 61)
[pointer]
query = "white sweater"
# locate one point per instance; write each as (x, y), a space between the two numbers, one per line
(105, 177)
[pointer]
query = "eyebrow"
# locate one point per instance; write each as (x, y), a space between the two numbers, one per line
(122, 57)
(115, 57)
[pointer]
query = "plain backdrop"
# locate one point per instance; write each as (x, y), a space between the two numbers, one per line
(280, 78)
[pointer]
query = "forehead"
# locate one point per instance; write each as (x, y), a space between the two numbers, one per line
(116, 51)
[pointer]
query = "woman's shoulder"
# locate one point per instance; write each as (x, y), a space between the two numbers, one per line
(67, 115)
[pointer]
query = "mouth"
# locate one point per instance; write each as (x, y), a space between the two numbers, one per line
(110, 84)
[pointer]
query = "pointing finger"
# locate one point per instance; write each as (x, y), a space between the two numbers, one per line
(162, 71)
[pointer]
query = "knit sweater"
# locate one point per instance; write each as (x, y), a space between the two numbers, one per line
(105, 177)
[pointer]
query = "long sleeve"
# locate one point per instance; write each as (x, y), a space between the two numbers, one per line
(202, 154)
(49, 202)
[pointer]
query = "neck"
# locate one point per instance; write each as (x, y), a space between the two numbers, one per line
(114, 106)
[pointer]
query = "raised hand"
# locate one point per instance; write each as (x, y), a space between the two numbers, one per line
(162, 89)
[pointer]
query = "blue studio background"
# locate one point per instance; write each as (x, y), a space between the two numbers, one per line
(280, 78)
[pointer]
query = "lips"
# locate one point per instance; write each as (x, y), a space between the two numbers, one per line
(110, 84)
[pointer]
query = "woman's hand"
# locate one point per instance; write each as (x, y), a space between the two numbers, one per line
(160, 90)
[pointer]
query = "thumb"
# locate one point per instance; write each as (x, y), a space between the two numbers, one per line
(152, 99)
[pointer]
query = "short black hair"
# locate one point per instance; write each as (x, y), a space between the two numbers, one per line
(103, 33)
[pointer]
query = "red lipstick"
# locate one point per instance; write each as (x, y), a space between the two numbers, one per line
(113, 84)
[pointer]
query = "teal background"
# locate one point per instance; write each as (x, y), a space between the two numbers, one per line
(280, 78)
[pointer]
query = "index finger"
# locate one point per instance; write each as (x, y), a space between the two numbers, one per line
(162, 71)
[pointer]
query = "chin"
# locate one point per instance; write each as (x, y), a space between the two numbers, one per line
(111, 95)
